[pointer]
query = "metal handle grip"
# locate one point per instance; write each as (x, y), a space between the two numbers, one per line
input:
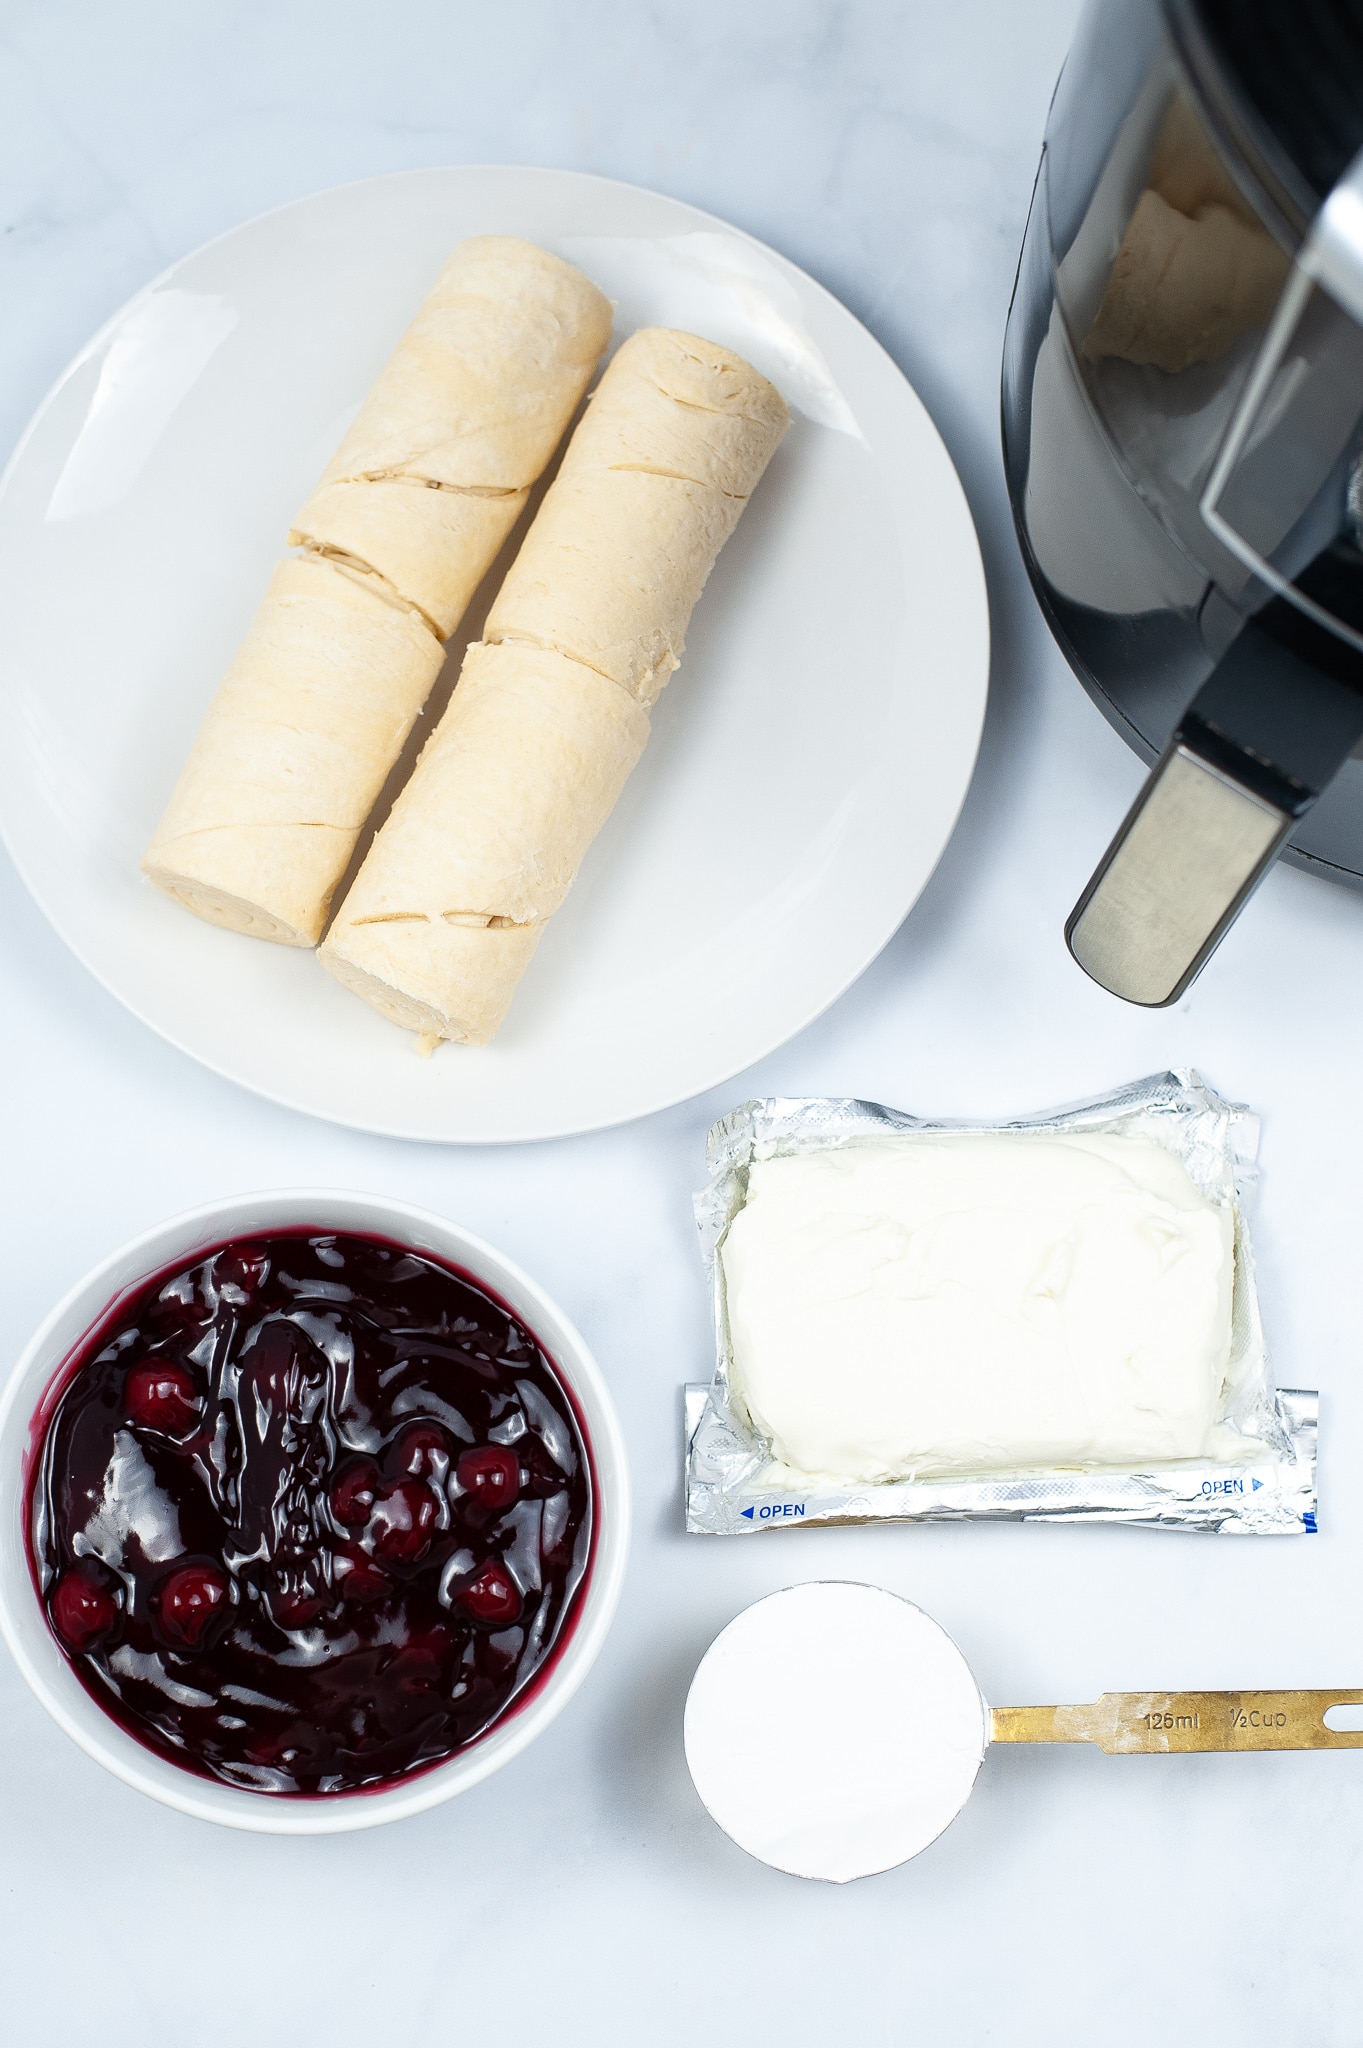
(1273, 722)
(1172, 1723)
(1190, 851)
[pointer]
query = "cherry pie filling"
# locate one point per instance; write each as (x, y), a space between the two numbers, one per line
(311, 1514)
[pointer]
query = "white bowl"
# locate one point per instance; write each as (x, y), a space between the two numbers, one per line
(180, 1242)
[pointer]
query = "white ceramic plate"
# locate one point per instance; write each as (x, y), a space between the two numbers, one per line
(808, 761)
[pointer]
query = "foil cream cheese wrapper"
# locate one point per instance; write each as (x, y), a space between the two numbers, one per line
(1261, 1482)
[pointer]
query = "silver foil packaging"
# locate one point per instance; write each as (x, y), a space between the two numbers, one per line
(1264, 1482)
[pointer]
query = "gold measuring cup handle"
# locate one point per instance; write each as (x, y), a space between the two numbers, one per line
(1172, 1723)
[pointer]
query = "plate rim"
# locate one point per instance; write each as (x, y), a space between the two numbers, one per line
(669, 1097)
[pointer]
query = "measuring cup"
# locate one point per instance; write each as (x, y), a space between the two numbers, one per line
(834, 1730)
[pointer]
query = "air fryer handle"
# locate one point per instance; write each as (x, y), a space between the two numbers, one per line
(1271, 725)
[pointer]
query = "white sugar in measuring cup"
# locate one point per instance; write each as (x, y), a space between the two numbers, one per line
(834, 1730)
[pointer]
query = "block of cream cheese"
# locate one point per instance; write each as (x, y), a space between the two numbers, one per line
(963, 1302)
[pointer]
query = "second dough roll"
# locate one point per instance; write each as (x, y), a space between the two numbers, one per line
(482, 845)
(550, 714)
(650, 488)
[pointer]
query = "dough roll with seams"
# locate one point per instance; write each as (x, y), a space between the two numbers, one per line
(439, 462)
(294, 750)
(651, 487)
(551, 710)
(510, 791)
(426, 486)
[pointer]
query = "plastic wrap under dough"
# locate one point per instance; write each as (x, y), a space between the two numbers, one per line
(436, 468)
(294, 750)
(529, 760)
(522, 772)
(652, 485)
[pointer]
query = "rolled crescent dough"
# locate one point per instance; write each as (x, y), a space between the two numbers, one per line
(482, 845)
(550, 714)
(462, 420)
(410, 514)
(434, 546)
(651, 487)
(296, 746)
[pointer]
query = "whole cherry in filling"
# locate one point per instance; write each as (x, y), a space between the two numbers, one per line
(163, 1396)
(311, 1513)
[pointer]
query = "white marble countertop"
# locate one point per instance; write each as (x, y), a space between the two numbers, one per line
(889, 147)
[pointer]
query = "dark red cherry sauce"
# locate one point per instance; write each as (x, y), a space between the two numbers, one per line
(309, 1515)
